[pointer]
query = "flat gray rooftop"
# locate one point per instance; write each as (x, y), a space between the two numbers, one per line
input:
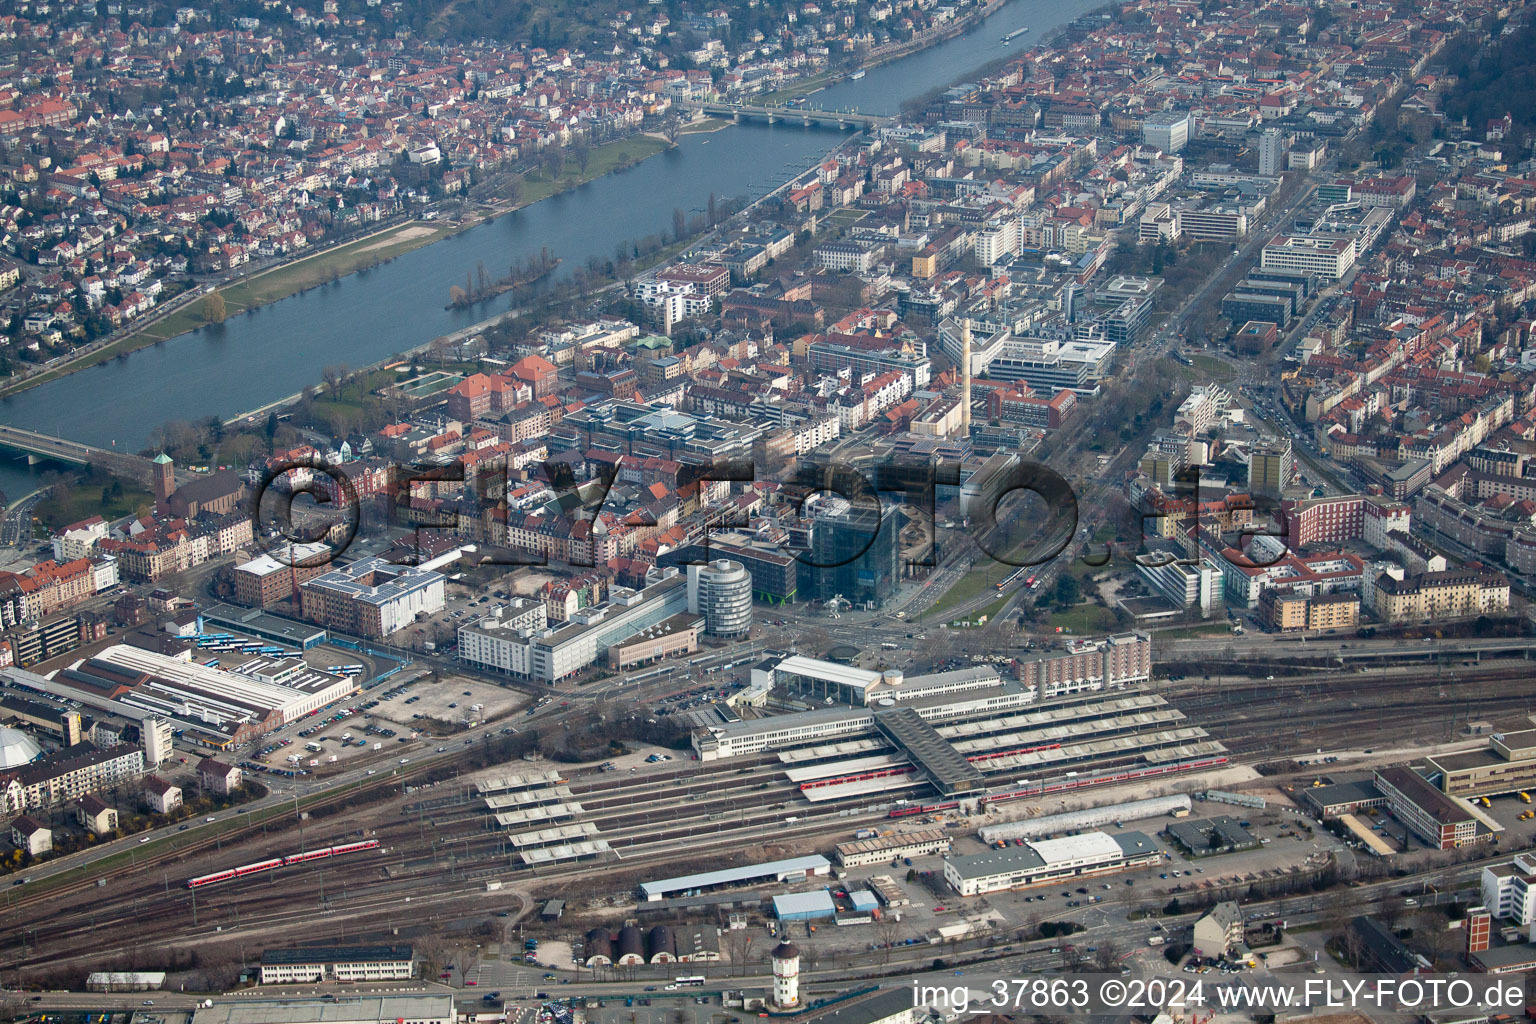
(950, 772)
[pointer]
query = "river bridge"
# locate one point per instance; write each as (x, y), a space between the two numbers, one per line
(804, 115)
(45, 446)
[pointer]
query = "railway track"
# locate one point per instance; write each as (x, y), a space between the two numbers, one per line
(735, 809)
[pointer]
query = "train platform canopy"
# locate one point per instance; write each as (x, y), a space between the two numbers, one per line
(566, 851)
(528, 797)
(949, 772)
(772, 871)
(847, 748)
(1185, 751)
(804, 906)
(1058, 733)
(553, 836)
(526, 780)
(1151, 747)
(533, 815)
(828, 769)
(864, 787)
(1067, 716)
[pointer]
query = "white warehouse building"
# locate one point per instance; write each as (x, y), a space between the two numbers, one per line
(1092, 817)
(1042, 861)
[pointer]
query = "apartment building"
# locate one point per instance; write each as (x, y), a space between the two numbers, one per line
(272, 578)
(1288, 611)
(66, 775)
(1435, 596)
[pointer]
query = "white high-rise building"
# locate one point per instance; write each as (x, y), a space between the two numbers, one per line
(786, 975)
(155, 735)
(1271, 152)
(721, 592)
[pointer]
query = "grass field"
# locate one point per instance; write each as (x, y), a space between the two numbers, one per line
(801, 88)
(709, 124)
(982, 578)
(846, 217)
(1083, 618)
(1219, 369)
(602, 160)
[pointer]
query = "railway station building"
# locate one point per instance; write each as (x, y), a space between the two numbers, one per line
(309, 964)
(939, 762)
(1048, 861)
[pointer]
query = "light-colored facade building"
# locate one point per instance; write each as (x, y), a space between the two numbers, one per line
(1434, 596)
(1329, 256)
(1509, 890)
(1048, 861)
(344, 964)
(1166, 130)
(1219, 930)
(31, 837)
(372, 597)
(721, 592)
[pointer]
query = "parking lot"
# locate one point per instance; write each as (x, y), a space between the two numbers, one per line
(454, 699)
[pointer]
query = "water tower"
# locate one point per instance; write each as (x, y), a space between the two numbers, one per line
(786, 975)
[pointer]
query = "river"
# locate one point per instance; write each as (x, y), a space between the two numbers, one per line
(281, 348)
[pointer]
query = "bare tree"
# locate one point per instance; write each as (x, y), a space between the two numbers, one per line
(1107, 956)
(887, 928)
(1431, 936)
(1352, 946)
(334, 376)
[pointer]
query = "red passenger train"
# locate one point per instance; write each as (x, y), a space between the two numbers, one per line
(1062, 783)
(281, 862)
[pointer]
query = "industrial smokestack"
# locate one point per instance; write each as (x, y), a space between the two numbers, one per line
(965, 377)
